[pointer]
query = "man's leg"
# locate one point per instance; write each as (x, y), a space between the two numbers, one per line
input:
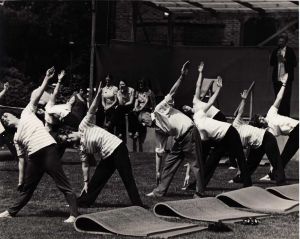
(54, 168)
(33, 173)
(271, 148)
(291, 146)
(285, 105)
(103, 172)
(123, 165)
(171, 165)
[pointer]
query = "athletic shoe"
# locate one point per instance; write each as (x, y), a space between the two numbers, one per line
(265, 178)
(5, 214)
(71, 219)
(151, 195)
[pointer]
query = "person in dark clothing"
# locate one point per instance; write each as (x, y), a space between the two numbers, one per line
(283, 60)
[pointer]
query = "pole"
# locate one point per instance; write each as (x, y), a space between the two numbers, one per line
(91, 83)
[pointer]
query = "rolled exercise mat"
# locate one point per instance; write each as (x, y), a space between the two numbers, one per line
(202, 209)
(287, 191)
(132, 221)
(259, 200)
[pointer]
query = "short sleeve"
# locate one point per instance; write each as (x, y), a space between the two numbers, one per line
(19, 148)
(237, 122)
(88, 121)
(273, 111)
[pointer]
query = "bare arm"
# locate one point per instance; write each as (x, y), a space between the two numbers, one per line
(244, 96)
(184, 71)
(214, 96)
(21, 166)
(94, 106)
(5, 88)
(85, 170)
(281, 91)
(114, 103)
(199, 81)
(56, 89)
(40, 90)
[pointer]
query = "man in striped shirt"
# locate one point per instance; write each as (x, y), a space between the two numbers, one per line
(34, 143)
(114, 154)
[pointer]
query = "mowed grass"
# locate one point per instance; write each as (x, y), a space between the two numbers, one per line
(43, 216)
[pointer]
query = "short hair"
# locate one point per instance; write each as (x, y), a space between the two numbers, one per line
(140, 115)
(284, 36)
(256, 122)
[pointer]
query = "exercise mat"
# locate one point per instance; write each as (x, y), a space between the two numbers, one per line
(258, 199)
(287, 191)
(132, 221)
(202, 209)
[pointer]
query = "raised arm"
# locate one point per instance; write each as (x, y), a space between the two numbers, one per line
(281, 91)
(40, 90)
(199, 81)
(56, 89)
(5, 88)
(184, 71)
(94, 106)
(214, 96)
(244, 96)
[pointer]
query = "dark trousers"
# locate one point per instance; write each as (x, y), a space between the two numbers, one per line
(186, 147)
(291, 146)
(270, 148)
(47, 161)
(106, 167)
(285, 105)
(5, 140)
(232, 144)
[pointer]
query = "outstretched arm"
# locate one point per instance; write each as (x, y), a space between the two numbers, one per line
(184, 71)
(94, 106)
(5, 88)
(40, 90)
(281, 91)
(56, 89)
(214, 96)
(244, 96)
(199, 81)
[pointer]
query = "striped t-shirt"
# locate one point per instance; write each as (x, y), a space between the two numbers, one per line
(31, 135)
(250, 135)
(95, 139)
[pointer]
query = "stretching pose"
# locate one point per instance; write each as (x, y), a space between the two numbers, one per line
(114, 154)
(4, 136)
(224, 137)
(280, 125)
(260, 142)
(34, 143)
(171, 122)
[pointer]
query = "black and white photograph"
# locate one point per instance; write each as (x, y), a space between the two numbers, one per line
(149, 119)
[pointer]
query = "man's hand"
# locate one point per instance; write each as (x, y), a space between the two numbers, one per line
(219, 82)
(85, 188)
(201, 66)
(50, 72)
(284, 78)
(6, 86)
(61, 75)
(158, 177)
(185, 68)
(20, 187)
(186, 181)
(244, 94)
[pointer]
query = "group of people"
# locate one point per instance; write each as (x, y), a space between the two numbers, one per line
(200, 135)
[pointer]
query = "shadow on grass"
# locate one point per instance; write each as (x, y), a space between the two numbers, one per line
(48, 213)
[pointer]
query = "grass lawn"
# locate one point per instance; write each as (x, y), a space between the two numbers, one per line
(43, 216)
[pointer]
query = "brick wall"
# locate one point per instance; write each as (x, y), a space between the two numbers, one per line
(194, 29)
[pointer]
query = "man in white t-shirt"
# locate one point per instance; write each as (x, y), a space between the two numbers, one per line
(114, 155)
(280, 125)
(187, 144)
(260, 142)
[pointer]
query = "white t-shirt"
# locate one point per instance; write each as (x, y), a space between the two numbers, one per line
(278, 124)
(1, 128)
(199, 105)
(210, 128)
(250, 135)
(109, 94)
